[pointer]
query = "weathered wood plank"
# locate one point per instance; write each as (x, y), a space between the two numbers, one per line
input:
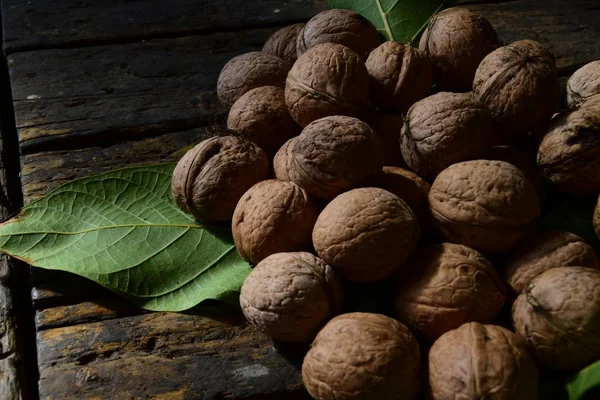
(211, 356)
(10, 385)
(47, 23)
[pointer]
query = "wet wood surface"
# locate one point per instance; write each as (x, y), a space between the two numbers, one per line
(102, 85)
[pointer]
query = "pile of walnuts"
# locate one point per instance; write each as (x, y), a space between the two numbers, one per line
(351, 160)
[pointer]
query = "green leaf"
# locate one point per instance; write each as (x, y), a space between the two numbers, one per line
(584, 382)
(399, 20)
(122, 230)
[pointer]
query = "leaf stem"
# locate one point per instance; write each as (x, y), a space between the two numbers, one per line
(386, 23)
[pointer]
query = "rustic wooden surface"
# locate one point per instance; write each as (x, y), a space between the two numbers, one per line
(100, 85)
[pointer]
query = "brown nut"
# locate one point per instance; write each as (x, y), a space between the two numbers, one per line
(366, 234)
(569, 154)
(558, 315)
(456, 40)
(447, 285)
(482, 204)
(547, 250)
(596, 219)
(518, 83)
(444, 129)
(209, 180)
(248, 71)
(273, 217)
(479, 361)
(331, 155)
(583, 84)
(400, 76)
(339, 26)
(290, 296)
(282, 43)
(329, 79)
(409, 187)
(262, 116)
(362, 356)
(387, 127)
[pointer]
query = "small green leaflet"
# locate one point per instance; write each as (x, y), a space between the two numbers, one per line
(584, 382)
(399, 20)
(122, 230)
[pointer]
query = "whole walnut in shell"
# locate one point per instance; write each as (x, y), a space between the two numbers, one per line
(558, 315)
(456, 40)
(482, 204)
(362, 356)
(518, 83)
(583, 84)
(387, 127)
(209, 179)
(444, 129)
(262, 116)
(331, 156)
(290, 296)
(248, 71)
(366, 234)
(547, 250)
(329, 79)
(282, 43)
(339, 26)
(479, 361)
(596, 219)
(272, 217)
(400, 76)
(445, 286)
(569, 154)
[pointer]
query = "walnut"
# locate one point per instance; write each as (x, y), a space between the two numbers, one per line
(362, 356)
(339, 26)
(443, 129)
(409, 187)
(366, 234)
(447, 285)
(583, 84)
(209, 180)
(290, 296)
(387, 127)
(273, 217)
(248, 71)
(547, 250)
(596, 219)
(329, 79)
(479, 361)
(518, 83)
(558, 315)
(282, 43)
(569, 154)
(456, 40)
(482, 204)
(262, 116)
(400, 76)
(331, 155)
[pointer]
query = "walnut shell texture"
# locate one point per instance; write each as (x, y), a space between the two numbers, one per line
(569, 154)
(518, 83)
(209, 179)
(547, 250)
(329, 79)
(596, 219)
(366, 234)
(583, 84)
(339, 26)
(558, 315)
(248, 71)
(456, 40)
(444, 129)
(400, 76)
(479, 361)
(331, 155)
(290, 296)
(363, 356)
(387, 127)
(262, 116)
(282, 43)
(409, 187)
(482, 204)
(272, 217)
(446, 286)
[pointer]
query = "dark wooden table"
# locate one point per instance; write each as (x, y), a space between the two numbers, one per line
(88, 86)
